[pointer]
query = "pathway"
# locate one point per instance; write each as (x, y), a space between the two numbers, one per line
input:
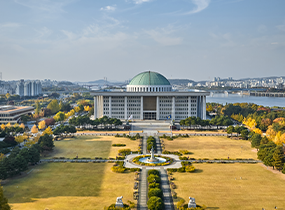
(158, 145)
(144, 147)
(168, 202)
(142, 205)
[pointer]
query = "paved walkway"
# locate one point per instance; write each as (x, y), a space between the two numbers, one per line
(142, 205)
(167, 198)
(158, 145)
(144, 146)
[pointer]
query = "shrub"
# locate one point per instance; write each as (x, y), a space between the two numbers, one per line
(118, 145)
(155, 203)
(153, 185)
(124, 152)
(283, 171)
(183, 158)
(155, 192)
(153, 178)
(189, 169)
(184, 152)
(118, 169)
(153, 171)
(113, 207)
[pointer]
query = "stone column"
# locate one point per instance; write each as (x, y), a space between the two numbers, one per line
(95, 107)
(110, 106)
(189, 106)
(204, 108)
(173, 108)
(126, 107)
(157, 108)
(141, 107)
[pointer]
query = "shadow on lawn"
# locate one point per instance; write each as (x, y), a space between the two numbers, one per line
(197, 171)
(212, 208)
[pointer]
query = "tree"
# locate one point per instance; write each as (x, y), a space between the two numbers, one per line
(42, 125)
(10, 140)
(22, 126)
(264, 140)
(180, 203)
(37, 110)
(155, 203)
(20, 139)
(3, 126)
(278, 157)
(283, 171)
(230, 130)
(46, 142)
(244, 134)
(59, 116)
(53, 106)
(264, 150)
(50, 121)
(3, 201)
(255, 140)
(34, 154)
(155, 192)
(48, 131)
(34, 129)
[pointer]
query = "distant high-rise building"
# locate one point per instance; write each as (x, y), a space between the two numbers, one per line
(20, 88)
(29, 88)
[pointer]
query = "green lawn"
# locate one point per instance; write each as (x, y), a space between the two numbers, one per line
(68, 186)
(212, 147)
(218, 186)
(91, 147)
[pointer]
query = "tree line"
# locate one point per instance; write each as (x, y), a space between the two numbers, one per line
(197, 122)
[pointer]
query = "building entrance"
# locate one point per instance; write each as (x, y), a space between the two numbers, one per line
(149, 115)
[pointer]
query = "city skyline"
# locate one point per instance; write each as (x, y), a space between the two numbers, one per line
(77, 40)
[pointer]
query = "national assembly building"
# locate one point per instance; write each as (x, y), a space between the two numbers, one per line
(149, 96)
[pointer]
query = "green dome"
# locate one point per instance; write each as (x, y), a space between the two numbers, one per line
(149, 78)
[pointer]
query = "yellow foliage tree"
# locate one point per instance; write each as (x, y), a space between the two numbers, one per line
(209, 108)
(16, 125)
(22, 126)
(34, 129)
(86, 108)
(29, 143)
(277, 139)
(8, 125)
(257, 130)
(48, 131)
(270, 133)
(20, 139)
(3, 126)
(42, 125)
(77, 109)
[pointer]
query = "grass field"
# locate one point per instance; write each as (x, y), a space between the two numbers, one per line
(69, 186)
(219, 187)
(212, 147)
(90, 147)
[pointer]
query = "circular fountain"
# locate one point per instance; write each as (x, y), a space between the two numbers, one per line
(152, 159)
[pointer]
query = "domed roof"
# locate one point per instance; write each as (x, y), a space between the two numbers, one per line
(149, 78)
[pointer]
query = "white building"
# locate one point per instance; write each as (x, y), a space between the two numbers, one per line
(149, 96)
(29, 88)
(12, 114)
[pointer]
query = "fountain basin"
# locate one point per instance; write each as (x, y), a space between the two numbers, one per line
(159, 160)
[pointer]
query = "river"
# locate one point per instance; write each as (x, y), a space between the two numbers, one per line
(235, 98)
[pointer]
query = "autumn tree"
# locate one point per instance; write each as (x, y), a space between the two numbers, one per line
(53, 106)
(34, 129)
(59, 117)
(48, 131)
(42, 125)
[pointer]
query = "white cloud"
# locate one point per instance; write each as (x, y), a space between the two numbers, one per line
(141, 1)
(163, 36)
(9, 25)
(45, 5)
(109, 8)
(200, 5)
(43, 32)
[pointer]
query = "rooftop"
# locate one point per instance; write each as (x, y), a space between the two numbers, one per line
(149, 78)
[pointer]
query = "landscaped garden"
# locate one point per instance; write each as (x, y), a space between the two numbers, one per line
(211, 147)
(69, 186)
(91, 147)
(231, 186)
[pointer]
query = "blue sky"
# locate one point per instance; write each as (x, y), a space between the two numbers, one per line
(83, 40)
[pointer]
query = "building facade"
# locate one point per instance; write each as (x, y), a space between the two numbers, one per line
(29, 88)
(149, 96)
(12, 114)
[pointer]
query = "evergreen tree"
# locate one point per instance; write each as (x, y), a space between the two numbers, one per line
(46, 142)
(34, 155)
(255, 140)
(3, 171)
(3, 201)
(278, 157)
